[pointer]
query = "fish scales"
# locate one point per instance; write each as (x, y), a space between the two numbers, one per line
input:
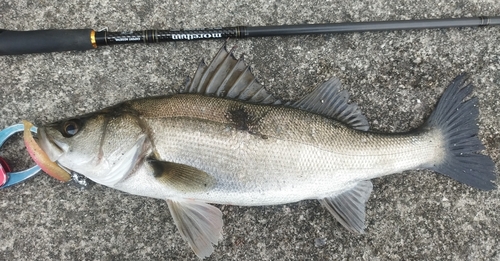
(283, 155)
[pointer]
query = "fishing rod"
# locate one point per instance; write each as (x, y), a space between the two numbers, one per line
(44, 41)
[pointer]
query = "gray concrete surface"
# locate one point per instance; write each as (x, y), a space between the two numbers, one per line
(395, 77)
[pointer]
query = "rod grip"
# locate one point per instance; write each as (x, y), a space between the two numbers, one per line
(46, 41)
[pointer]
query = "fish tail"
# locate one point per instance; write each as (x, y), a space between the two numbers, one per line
(456, 119)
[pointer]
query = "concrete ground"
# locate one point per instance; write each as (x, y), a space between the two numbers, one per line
(395, 77)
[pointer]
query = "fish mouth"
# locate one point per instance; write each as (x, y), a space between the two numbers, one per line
(40, 154)
(52, 147)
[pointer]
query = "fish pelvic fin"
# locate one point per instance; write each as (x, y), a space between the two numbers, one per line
(456, 119)
(349, 206)
(200, 224)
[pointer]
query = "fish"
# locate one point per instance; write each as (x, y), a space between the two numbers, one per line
(224, 139)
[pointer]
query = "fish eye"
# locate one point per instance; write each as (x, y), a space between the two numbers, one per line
(70, 128)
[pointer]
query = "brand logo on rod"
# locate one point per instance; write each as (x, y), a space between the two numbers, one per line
(195, 36)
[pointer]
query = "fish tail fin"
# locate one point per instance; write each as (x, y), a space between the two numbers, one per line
(456, 119)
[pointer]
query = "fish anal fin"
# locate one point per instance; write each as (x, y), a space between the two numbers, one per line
(228, 77)
(349, 207)
(329, 100)
(180, 176)
(200, 224)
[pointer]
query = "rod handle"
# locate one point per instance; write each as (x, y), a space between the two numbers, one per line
(46, 41)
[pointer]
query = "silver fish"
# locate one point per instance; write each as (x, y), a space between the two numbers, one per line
(225, 140)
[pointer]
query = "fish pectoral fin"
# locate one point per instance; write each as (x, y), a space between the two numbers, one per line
(180, 176)
(200, 224)
(329, 100)
(349, 207)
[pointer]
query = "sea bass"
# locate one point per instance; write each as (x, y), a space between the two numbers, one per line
(225, 140)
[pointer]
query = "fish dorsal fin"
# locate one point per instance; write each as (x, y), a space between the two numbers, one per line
(200, 224)
(228, 77)
(329, 100)
(181, 177)
(349, 207)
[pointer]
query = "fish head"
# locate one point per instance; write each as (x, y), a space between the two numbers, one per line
(105, 147)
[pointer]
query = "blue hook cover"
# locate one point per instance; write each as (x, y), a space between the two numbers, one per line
(16, 177)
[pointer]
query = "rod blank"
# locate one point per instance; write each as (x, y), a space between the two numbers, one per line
(43, 41)
(370, 26)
